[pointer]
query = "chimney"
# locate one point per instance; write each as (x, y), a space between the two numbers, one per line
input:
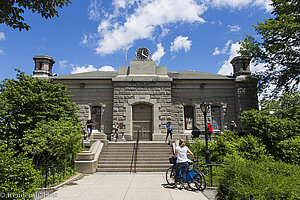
(43, 66)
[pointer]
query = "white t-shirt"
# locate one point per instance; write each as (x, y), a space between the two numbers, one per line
(181, 154)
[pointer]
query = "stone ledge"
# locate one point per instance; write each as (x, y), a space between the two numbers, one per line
(90, 158)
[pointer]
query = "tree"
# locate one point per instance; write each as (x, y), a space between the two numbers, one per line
(278, 48)
(277, 126)
(11, 11)
(34, 110)
(18, 178)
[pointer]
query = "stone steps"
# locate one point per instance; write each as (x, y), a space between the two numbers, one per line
(128, 169)
(128, 161)
(140, 158)
(151, 157)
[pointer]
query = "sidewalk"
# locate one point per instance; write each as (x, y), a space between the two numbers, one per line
(123, 186)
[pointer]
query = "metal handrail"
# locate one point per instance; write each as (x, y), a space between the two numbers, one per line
(134, 153)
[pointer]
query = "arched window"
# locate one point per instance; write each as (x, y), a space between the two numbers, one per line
(96, 117)
(216, 117)
(189, 117)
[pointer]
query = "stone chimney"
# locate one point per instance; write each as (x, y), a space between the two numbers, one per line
(43, 66)
(241, 66)
(245, 86)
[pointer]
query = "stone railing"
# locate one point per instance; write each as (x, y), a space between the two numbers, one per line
(87, 161)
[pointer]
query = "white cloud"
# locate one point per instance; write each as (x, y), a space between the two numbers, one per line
(93, 10)
(164, 32)
(90, 68)
(63, 64)
(1, 52)
(159, 53)
(83, 69)
(131, 20)
(122, 3)
(181, 43)
(239, 4)
(142, 23)
(2, 36)
(266, 4)
(234, 28)
(84, 39)
(106, 68)
(224, 50)
(104, 26)
(227, 68)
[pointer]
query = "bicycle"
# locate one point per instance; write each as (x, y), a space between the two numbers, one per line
(195, 178)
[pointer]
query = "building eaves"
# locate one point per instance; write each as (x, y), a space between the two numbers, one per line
(192, 75)
(88, 75)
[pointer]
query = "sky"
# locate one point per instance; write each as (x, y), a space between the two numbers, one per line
(91, 35)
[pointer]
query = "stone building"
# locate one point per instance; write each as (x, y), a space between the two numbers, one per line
(145, 96)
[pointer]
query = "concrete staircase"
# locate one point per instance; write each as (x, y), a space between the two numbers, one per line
(151, 157)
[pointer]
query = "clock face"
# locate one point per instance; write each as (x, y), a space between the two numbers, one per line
(142, 53)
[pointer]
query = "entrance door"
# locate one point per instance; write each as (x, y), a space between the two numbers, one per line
(96, 117)
(142, 120)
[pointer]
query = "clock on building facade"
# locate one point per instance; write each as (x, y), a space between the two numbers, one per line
(142, 54)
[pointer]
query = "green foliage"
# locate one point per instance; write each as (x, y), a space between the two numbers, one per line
(37, 117)
(277, 126)
(278, 48)
(11, 11)
(27, 101)
(17, 173)
(264, 180)
(231, 144)
(53, 142)
(253, 160)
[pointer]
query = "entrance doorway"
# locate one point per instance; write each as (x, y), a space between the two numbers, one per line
(96, 117)
(142, 120)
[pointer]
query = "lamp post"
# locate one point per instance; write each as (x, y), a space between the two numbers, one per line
(204, 108)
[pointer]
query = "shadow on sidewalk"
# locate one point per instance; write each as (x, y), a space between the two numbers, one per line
(167, 186)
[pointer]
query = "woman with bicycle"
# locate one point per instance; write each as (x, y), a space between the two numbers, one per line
(182, 161)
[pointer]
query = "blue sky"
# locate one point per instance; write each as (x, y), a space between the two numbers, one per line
(92, 35)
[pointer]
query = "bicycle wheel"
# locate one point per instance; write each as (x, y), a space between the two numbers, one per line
(170, 176)
(198, 182)
(203, 185)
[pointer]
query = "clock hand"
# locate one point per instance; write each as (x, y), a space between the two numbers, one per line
(143, 54)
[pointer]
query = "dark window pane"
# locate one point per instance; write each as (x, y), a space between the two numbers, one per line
(189, 117)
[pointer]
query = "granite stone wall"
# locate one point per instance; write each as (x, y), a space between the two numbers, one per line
(127, 94)
(189, 93)
(94, 96)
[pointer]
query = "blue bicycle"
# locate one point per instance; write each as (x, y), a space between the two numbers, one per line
(195, 178)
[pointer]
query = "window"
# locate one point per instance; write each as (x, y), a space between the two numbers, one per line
(216, 117)
(96, 117)
(189, 117)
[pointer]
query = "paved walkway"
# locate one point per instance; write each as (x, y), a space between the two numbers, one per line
(123, 186)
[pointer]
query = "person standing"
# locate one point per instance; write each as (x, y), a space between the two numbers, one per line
(169, 130)
(209, 130)
(182, 161)
(89, 126)
(232, 126)
(117, 127)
